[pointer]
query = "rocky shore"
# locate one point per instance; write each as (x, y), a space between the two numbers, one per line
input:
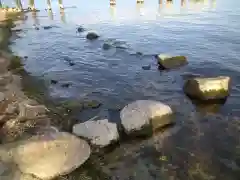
(30, 147)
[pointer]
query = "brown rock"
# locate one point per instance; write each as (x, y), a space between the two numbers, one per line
(29, 110)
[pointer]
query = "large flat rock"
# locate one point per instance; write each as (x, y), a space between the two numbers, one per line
(47, 156)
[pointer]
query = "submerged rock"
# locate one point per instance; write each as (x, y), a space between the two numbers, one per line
(92, 36)
(148, 67)
(169, 62)
(47, 27)
(66, 85)
(80, 29)
(100, 133)
(106, 46)
(215, 88)
(144, 116)
(47, 156)
(54, 81)
(91, 104)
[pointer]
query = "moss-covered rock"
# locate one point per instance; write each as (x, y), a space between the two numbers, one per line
(168, 62)
(207, 88)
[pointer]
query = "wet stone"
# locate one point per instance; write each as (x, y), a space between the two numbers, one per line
(66, 85)
(92, 36)
(54, 81)
(92, 104)
(148, 67)
(47, 27)
(106, 46)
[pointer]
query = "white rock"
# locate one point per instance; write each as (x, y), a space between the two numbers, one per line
(207, 88)
(100, 133)
(50, 155)
(144, 115)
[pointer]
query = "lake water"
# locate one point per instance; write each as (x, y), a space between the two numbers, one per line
(205, 143)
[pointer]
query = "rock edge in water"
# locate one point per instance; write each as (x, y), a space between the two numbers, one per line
(169, 62)
(142, 117)
(207, 89)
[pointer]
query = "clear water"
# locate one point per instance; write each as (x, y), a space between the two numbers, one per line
(206, 144)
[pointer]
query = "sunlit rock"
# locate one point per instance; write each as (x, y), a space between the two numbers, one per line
(47, 156)
(92, 36)
(106, 46)
(168, 62)
(207, 88)
(100, 133)
(145, 116)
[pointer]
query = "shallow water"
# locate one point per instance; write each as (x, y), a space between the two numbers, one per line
(206, 144)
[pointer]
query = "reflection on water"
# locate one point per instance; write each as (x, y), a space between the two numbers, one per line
(62, 14)
(206, 144)
(140, 8)
(35, 17)
(50, 14)
(112, 9)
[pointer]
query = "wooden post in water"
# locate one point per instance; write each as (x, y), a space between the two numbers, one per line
(60, 4)
(140, 1)
(32, 4)
(183, 2)
(49, 5)
(19, 4)
(112, 2)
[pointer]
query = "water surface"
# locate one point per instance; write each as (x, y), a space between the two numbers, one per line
(206, 144)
